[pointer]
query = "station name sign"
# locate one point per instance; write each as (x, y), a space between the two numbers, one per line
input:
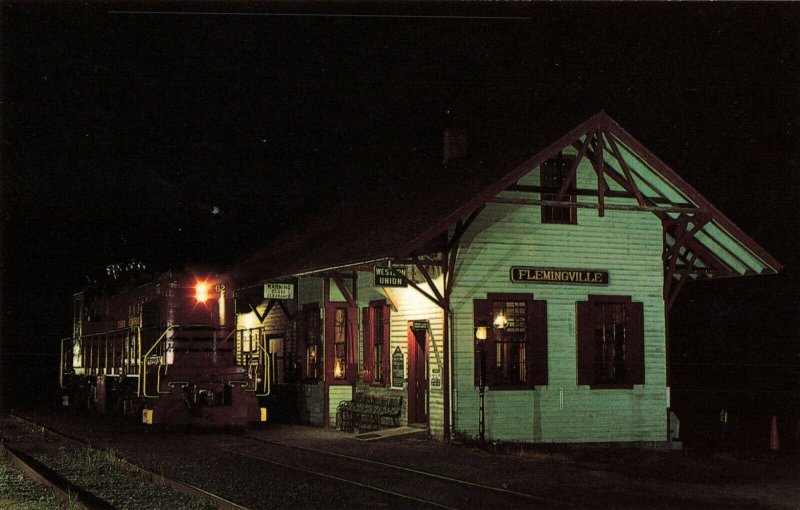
(388, 277)
(550, 275)
(278, 291)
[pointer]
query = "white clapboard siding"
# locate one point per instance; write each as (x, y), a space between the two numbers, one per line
(629, 246)
(337, 393)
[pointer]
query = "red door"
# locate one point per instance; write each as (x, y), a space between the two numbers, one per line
(417, 377)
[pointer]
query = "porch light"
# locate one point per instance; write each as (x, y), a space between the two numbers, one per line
(480, 333)
(500, 321)
(338, 373)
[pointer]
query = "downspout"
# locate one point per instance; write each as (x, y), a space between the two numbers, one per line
(450, 378)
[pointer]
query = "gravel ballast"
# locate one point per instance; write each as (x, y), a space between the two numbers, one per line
(100, 472)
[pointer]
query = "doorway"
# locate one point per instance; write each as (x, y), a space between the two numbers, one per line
(417, 376)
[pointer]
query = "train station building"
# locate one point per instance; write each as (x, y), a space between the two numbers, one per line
(534, 285)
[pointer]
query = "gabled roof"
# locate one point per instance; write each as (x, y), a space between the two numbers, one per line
(398, 215)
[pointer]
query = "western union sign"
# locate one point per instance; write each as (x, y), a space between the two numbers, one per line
(388, 277)
(550, 275)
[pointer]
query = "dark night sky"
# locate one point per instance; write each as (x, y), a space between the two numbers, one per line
(122, 131)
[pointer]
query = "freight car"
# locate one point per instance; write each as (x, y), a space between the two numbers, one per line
(161, 347)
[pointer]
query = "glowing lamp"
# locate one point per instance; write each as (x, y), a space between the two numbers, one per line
(338, 373)
(500, 321)
(480, 333)
(201, 292)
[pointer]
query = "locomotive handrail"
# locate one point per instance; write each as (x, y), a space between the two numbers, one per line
(61, 372)
(143, 361)
(131, 359)
(117, 330)
(158, 378)
(82, 338)
(267, 370)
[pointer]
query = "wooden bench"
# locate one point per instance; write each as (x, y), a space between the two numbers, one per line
(368, 412)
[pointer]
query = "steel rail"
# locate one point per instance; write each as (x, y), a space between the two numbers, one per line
(421, 473)
(155, 478)
(68, 493)
(334, 477)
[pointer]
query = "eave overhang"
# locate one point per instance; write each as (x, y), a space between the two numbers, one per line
(699, 241)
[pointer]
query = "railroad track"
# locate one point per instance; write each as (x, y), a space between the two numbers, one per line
(82, 497)
(404, 485)
(70, 495)
(263, 473)
(453, 480)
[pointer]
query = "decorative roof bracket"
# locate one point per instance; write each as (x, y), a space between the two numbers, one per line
(684, 237)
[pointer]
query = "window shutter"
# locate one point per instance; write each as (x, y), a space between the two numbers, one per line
(537, 343)
(634, 344)
(482, 312)
(586, 344)
(303, 344)
(366, 329)
(387, 343)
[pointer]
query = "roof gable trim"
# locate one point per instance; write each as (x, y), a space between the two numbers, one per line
(630, 177)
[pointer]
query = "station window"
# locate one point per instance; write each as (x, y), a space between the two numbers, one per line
(377, 330)
(516, 341)
(610, 342)
(340, 343)
(312, 336)
(553, 174)
(510, 342)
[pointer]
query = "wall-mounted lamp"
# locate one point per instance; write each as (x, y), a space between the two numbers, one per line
(500, 321)
(480, 333)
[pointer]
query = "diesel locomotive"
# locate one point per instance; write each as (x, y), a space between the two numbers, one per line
(162, 347)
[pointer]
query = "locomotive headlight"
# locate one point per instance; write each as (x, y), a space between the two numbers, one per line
(201, 292)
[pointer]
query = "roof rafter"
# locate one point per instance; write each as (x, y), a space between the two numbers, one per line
(627, 171)
(573, 169)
